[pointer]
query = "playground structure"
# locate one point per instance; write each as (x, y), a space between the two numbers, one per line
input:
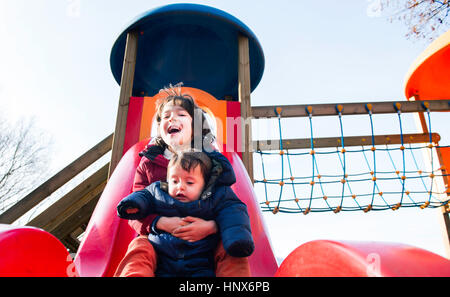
(221, 62)
(374, 150)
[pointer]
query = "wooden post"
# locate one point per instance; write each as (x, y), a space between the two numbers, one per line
(444, 211)
(244, 98)
(126, 89)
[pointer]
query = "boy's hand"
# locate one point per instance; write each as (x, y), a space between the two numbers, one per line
(135, 206)
(169, 224)
(128, 209)
(194, 229)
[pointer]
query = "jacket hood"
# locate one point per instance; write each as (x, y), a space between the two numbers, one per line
(222, 173)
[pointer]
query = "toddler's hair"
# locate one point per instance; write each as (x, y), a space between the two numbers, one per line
(185, 101)
(189, 160)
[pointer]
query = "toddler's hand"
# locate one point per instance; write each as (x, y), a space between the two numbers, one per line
(132, 210)
(135, 206)
(129, 210)
(169, 224)
(195, 229)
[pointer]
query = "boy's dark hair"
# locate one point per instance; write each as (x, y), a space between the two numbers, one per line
(185, 101)
(189, 160)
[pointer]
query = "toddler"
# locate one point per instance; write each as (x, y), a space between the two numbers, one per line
(198, 184)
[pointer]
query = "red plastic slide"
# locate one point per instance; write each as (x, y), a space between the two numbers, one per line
(323, 258)
(28, 251)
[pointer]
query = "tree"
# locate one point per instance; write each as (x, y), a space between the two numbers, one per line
(424, 18)
(23, 160)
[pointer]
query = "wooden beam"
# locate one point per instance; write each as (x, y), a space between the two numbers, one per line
(75, 220)
(444, 213)
(348, 108)
(445, 210)
(85, 200)
(80, 230)
(244, 90)
(54, 215)
(71, 243)
(305, 143)
(126, 90)
(55, 182)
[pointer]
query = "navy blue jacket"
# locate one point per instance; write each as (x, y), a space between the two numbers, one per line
(177, 257)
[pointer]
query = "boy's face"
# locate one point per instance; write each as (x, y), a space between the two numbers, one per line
(175, 127)
(185, 186)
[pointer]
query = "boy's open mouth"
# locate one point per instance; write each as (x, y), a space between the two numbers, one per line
(173, 130)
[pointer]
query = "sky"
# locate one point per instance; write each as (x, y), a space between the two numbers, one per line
(54, 67)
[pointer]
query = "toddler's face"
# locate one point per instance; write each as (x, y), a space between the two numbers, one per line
(185, 186)
(176, 126)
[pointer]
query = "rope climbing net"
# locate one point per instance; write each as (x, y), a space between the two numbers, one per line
(362, 178)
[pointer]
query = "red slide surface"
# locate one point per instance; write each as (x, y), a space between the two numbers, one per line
(359, 259)
(28, 251)
(107, 237)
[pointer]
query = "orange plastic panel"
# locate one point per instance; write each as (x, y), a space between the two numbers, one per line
(429, 76)
(217, 109)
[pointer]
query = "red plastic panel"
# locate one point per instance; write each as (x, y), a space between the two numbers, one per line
(28, 251)
(332, 258)
(107, 236)
(262, 261)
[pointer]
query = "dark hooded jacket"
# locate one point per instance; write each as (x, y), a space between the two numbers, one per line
(151, 168)
(177, 257)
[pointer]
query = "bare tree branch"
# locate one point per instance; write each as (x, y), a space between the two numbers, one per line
(23, 160)
(425, 19)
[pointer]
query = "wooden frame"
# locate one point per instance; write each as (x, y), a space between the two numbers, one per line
(362, 108)
(55, 215)
(445, 210)
(244, 90)
(305, 143)
(444, 216)
(126, 91)
(348, 108)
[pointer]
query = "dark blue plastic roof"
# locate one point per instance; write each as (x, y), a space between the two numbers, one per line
(189, 43)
